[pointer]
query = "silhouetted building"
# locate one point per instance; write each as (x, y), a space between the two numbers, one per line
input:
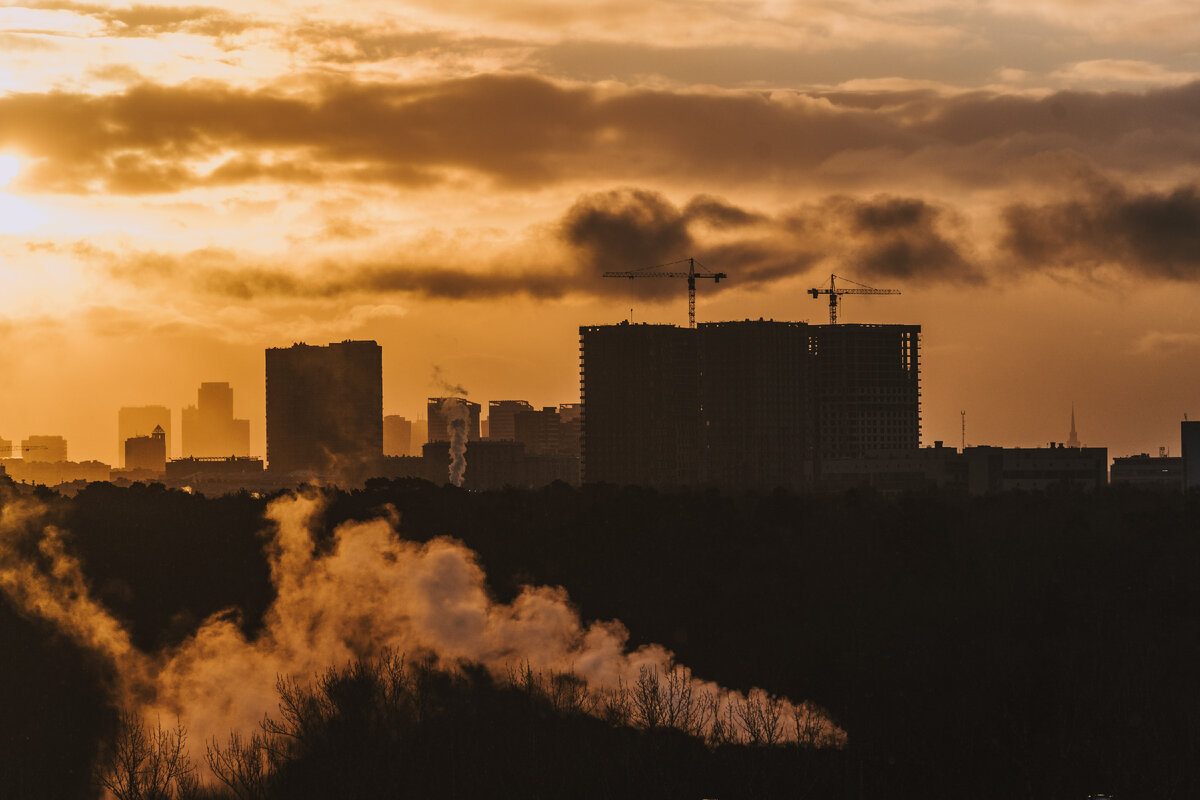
(904, 470)
(994, 469)
(867, 390)
(498, 464)
(571, 415)
(141, 421)
(397, 436)
(325, 407)
(1189, 440)
(441, 410)
(502, 418)
(756, 401)
(750, 404)
(640, 390)
(1150, 472)
(209, 428)
(46, 449)
(147, 452)
(209, 466)
(55, 473)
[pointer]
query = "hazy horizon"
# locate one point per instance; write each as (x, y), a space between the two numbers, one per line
(187, 185)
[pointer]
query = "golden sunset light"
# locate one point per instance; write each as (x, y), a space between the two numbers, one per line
(594, 399)
(197, 183)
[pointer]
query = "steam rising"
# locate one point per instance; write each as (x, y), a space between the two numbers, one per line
(371, 592)
(457, 414)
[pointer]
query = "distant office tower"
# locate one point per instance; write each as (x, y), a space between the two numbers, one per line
(571, 415)
(438, 419)
(502, 416)
(756, 400)
(324, 406)
(6, 448)
(1189, 439)
(141, 421)
(867, 389)
(640, 389)
(209, 429)
(541, 431)
(147, 452)
(1150, 472)
(397, 436)
(48, 449)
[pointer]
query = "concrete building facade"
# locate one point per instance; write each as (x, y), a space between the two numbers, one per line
(502, 418)
(749, 404)
(324, 407)
(141, 421)
(209, 428)
(640, 390)
(147, 452)
(397, 436)
(438, 409)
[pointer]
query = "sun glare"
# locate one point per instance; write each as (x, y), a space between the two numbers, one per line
(10, 165)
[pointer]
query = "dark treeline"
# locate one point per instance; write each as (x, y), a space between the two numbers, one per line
(1033, 645)
(389, 727)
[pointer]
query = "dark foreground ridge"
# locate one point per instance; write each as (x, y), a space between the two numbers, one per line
(1032, 645)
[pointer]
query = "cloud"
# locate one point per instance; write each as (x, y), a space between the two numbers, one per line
(1152, 233)
(520, 132)
(147, 20)
(627, 229)
(882, 237)
(1166, 344)
(1115, 70)
(903, 239)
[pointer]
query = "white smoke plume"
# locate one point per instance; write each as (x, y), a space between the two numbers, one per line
(457, 417)
(370, 593)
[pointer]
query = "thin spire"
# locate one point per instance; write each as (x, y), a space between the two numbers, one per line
(1074, 440)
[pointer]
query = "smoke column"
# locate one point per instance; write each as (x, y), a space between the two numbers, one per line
(457, 417)
(370, 592)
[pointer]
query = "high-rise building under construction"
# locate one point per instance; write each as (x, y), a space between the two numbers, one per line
(324, 407)
(750, 404)
(867, 392)
(640, 390)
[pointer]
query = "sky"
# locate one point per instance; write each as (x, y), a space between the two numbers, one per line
(184, 185)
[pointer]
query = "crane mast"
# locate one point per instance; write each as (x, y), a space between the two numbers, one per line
(659, 271)
(835, 292)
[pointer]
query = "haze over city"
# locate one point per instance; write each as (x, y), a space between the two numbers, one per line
(187, 185)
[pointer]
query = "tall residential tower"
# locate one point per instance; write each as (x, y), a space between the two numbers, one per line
(324, 407)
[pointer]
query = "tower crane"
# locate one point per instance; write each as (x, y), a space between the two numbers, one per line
(661, 271)
(834, 292)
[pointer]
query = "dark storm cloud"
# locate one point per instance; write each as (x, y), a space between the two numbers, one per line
(1148, 233)
(625, 229)
(520, 131)
(903, 238)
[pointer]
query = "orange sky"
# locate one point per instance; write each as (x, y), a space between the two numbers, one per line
(185, 185)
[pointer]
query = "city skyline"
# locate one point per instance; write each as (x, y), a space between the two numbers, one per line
(185, 186)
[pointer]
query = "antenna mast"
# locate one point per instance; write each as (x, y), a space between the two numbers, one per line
(964, 430)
